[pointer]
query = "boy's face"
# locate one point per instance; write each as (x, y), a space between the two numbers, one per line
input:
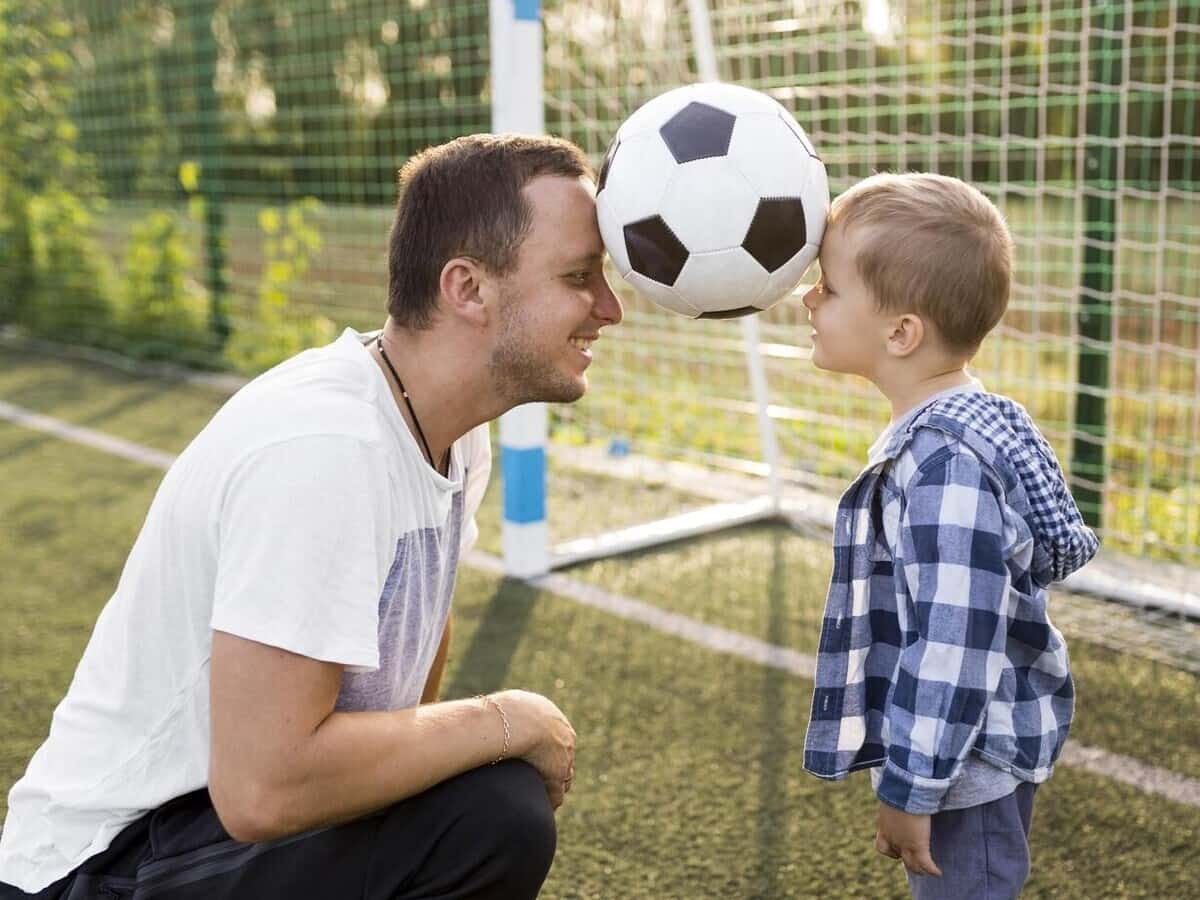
(849, 333)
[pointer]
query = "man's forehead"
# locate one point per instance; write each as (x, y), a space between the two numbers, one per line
(585, 256)
(560, 193)
(565, 218)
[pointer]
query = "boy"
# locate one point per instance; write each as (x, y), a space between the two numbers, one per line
(938, 666)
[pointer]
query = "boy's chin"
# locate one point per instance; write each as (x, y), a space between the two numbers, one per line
(834, 368)
(823, 365)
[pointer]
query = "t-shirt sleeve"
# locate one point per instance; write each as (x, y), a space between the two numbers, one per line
(477, 456)
(304, 549)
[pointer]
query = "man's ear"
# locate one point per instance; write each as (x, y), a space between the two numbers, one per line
(905, 334)
(466, 290)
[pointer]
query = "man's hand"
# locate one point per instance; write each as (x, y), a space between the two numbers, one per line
(905, 837)
(542, 736)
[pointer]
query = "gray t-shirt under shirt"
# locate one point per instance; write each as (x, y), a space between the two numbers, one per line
(978, 781)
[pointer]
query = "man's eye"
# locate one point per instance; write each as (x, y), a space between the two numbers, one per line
(580, 277)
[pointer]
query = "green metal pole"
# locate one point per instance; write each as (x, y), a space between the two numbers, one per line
(1105, 45)
(207, 144)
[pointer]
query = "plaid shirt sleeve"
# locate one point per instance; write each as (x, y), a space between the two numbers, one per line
(950, 555)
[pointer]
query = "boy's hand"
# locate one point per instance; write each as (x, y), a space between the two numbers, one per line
(905, 837)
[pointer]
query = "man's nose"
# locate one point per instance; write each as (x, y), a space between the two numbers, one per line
(607, 307)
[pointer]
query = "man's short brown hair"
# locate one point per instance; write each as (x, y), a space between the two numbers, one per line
(464, 198)
(937, 247)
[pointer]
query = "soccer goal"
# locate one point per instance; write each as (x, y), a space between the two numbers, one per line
(1078, 120)
(518, 104)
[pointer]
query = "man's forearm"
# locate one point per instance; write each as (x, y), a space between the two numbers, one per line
(355, 763)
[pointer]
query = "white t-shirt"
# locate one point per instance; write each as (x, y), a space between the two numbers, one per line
(303, 516)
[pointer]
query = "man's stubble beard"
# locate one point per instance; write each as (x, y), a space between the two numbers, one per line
(518, 372)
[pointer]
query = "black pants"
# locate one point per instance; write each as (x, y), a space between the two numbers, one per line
(488, 833)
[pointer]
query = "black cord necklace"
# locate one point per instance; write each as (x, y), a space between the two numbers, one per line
(403, 393)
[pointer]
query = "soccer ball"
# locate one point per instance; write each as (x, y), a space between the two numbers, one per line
(712, 201)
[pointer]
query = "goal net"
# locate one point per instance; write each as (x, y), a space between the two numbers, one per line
(1078, 120)
(210, 183)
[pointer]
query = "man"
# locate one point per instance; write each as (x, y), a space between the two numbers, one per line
(255, 714)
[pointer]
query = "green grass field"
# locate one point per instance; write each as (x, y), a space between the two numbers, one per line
(690, 783)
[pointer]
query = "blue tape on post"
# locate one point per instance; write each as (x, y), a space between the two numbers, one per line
(524, 484)
(527, 10)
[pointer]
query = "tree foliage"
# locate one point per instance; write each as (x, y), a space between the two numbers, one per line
(316, 97)
(48, 259)
(328, 97)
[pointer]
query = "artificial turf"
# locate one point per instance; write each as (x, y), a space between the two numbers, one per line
(689, 779)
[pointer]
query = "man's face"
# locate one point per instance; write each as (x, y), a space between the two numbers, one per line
(848, 331)
(557, 300)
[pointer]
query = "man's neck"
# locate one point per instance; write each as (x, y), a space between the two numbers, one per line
(447, 387)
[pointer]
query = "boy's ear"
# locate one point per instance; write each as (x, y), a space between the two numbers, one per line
(467, 290)
(905, 334)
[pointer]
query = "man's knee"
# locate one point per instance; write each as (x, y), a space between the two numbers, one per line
(508, 810)
(500, 828)
(488, 833)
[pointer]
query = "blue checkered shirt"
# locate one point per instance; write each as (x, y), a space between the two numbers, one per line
(936, 640)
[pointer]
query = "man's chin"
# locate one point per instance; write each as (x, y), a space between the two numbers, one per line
(567, 393)
(559, 392)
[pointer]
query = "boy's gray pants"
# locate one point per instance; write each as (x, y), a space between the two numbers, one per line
(983, 851)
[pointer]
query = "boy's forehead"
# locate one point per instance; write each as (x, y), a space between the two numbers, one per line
(841, 244)
(833, 245)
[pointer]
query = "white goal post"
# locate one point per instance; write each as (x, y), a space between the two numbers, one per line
(517, 106)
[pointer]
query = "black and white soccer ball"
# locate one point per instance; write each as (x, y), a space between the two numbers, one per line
(712, 201)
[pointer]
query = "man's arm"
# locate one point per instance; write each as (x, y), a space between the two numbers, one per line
(433, 683)
(283, 761)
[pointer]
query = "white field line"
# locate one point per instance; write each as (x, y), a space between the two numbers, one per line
(1146, 778)
(97, 440)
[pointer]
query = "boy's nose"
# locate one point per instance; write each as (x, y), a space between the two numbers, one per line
(810, 298)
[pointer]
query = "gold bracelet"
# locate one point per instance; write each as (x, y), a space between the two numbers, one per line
(488, 698)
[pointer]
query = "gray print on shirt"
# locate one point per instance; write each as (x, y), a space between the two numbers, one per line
(412, 613)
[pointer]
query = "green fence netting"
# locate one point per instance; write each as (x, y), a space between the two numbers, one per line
(210, 182)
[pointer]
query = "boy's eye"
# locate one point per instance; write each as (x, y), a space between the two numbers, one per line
(580, 278)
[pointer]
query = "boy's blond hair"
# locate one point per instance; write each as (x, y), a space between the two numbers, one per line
(939, 249)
